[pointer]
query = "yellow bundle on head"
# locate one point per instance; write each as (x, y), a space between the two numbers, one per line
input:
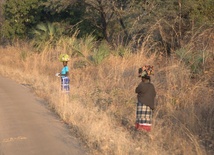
(63, 57)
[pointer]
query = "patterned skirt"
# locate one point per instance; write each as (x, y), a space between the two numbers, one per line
(143, 114)
(65, 81)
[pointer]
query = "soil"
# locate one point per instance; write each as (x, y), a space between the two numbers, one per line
(29, 127)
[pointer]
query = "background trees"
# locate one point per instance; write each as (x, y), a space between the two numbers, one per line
(19, 17)
(159, 24)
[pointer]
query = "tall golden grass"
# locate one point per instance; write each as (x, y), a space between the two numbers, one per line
(100, 107)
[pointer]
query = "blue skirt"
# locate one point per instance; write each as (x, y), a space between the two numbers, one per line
(65, 81)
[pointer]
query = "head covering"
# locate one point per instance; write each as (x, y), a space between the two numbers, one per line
(145, 71)
(63, 57)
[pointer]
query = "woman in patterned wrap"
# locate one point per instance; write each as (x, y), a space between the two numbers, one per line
(64, 58)
(146, 95)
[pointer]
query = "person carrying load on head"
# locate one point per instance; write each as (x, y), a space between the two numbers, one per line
(146, 97)
(64, 74)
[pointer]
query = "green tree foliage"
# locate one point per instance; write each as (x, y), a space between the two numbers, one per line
(71, 13)
(201, 11)
(1, 12)
(117, 20)
(19, 16)
(151, 23)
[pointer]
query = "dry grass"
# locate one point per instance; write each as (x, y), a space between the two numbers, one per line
(101, 105)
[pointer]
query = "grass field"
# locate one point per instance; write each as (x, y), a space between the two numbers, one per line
(101, 105)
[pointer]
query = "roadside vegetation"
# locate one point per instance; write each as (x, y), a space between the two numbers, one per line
(100, 109)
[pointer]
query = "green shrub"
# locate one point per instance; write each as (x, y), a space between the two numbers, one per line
(100, 53)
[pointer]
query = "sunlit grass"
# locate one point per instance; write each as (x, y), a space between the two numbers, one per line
(101, 105)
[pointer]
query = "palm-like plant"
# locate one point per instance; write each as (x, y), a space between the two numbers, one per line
(46, 34)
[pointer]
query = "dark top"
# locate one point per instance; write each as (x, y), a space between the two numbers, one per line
(146, 94)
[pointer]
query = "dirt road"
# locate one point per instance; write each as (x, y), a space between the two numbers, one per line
(28, 127)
